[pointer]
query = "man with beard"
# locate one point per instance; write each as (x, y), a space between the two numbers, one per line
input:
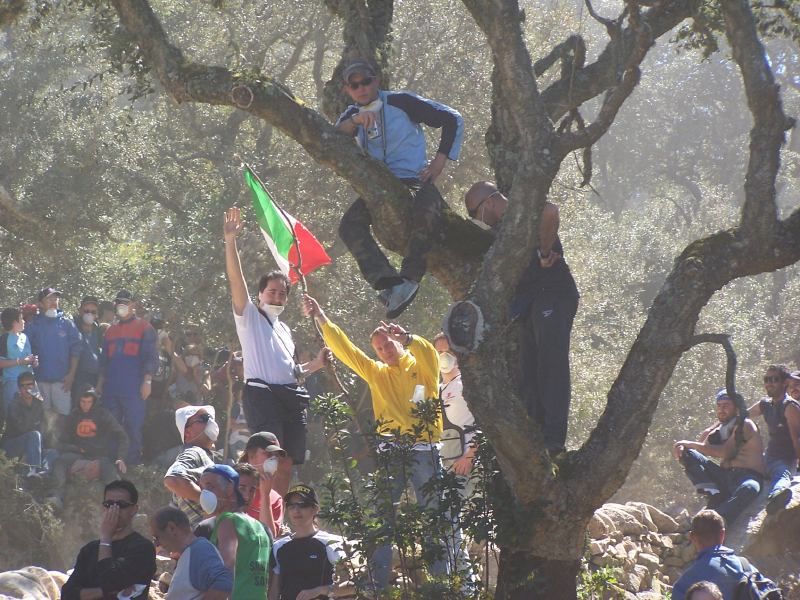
(736, 481)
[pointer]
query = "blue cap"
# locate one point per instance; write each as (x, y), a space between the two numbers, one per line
(229, 474)
(722, 394)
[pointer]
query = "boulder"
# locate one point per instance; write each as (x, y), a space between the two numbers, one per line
(598, 546)
(30, 583)
(664, 523)
(599, 526)
(641, 512)
(648, 560)
(623, 520)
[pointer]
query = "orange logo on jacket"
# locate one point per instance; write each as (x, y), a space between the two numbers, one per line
(86, 428)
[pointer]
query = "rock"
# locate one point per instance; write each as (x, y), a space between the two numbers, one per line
(674, 561)
(164, 564)
(663, 522)
(665, 541)
(631, 580)
(598, 546)
(641, 512)
(599, 526)
(648, 560)
(622, 520)
(602, 560)
(30, 583)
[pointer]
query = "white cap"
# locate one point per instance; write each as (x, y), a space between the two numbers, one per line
(182, 415)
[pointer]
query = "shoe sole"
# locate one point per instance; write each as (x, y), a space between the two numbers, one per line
(391, 314)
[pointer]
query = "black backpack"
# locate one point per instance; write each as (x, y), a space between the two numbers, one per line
(754, 586)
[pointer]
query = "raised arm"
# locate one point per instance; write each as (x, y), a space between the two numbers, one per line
(233, 266)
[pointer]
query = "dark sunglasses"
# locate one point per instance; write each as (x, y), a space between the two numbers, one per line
(204, 418)
(354, 85)
(772, 378)
(474, 211)
(120, 503)
(298, 505)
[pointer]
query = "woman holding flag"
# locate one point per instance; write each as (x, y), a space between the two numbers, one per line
(273, 398)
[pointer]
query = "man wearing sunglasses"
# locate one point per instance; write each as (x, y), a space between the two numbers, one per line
(545, 303)
(387, 126)
(782, 415)
(121, 561)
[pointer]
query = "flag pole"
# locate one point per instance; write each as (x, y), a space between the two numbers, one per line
(298, 271)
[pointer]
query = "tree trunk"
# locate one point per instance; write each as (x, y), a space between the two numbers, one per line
(523, 576)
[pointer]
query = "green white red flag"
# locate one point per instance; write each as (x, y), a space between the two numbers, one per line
(292, 245)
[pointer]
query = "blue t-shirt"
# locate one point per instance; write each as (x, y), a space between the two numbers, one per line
(199, 569)
(716, 564)
(55, 340)
(17, 346)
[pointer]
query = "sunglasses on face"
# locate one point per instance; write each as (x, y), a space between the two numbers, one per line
(120, 503)
(772, 378)
(473, 212)
(291, 505)
(354, 85)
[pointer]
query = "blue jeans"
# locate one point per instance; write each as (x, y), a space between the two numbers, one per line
(28, 447)
(130, 413)
(738, 487)
(425, 466)
(779, 472)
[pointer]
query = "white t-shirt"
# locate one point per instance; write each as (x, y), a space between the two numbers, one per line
(457, 419)
(267, 350)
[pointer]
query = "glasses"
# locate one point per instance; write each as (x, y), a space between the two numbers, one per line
(354, 85)
(121, 503)
(772, 378)
(472, 212)
(204, 418)
(291, 505)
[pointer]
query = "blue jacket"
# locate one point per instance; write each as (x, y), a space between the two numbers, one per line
(55, 341)
(716, 564)
(399, 140)
(129, 352)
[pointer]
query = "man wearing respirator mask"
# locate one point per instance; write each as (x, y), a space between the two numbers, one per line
(199, 430)
(129, 360)
(273, 398)
(264, 452)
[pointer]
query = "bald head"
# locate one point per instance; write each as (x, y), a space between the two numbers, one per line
(485, 203)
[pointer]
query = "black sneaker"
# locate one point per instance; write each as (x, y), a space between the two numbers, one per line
(777, 502)
(463, 325)
(400, 297)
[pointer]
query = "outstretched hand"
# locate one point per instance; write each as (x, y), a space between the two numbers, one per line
(233, 223)
(394, 332)
(311, 308)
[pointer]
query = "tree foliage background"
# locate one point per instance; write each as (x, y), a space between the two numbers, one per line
(107, 183)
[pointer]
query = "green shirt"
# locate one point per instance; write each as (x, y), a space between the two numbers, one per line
(251, 570)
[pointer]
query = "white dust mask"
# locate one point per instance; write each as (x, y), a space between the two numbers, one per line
(88, 318)
(208, 501)
(51, 313)
(212, 430)
(447, 362)
(270, 465)
(273, 310)
(123, 310)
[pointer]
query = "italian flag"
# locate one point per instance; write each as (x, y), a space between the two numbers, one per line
(292, 245)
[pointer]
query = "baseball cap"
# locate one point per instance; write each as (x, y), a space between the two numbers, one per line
(123, 296)
(48, 291)
(88, 390)
(231, 475)
(265, 440)
(306, 492)
(722, 394)
(357, 65)
(795, 375)
(89, 300)
(182, 415)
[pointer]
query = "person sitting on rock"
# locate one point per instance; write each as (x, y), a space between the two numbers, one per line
(89, 433)
(714, 563)
(736, 481)
(782, 415)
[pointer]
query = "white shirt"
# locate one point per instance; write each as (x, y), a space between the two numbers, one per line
(457, 419)
(267, 350)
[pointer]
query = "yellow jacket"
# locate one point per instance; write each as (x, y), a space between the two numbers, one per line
(392, 387)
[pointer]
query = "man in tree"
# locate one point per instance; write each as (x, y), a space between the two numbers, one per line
(387, 126)
(273, 399)
(199, 431)
(545, 302)
(782, 414)
(714, 562)
(121, 560)
(736, 481)
(129, 360)
(406, 363)
(55, 340)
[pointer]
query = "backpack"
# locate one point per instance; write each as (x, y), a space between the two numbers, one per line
(754, 586)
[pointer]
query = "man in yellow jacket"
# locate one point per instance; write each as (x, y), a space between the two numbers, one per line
(405, 362)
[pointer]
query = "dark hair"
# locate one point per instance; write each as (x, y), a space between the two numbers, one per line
(704, 586)
(9, 316)
(782, 370)
(104, 306)
(123, 484)
(25, 376)
(265, 279)
(245, 468)
(707, 526)
(170, 514)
